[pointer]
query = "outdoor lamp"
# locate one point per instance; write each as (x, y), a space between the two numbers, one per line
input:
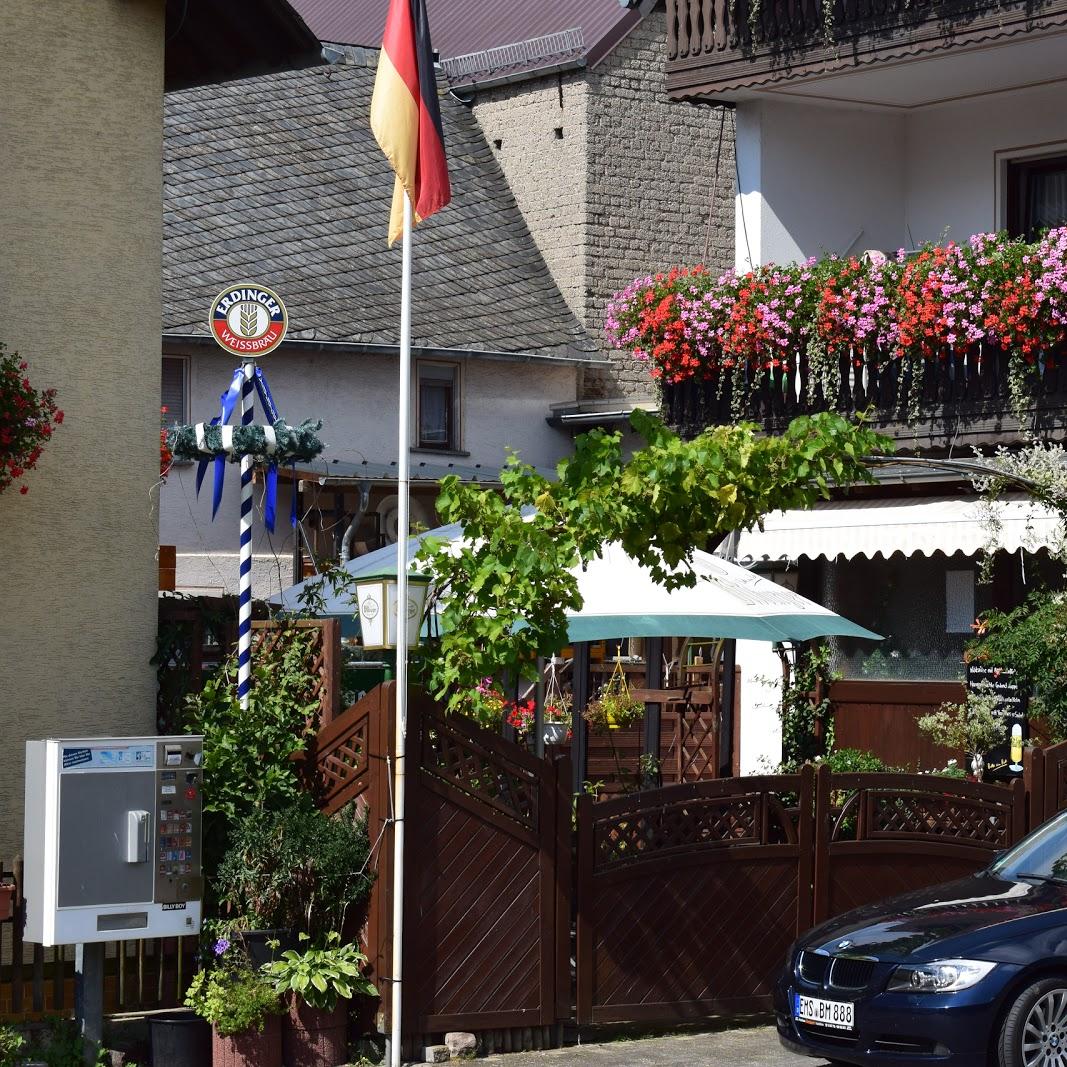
(376, 595)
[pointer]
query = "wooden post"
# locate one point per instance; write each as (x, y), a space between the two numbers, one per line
(579, 728)
(653, 680)
(726, 710)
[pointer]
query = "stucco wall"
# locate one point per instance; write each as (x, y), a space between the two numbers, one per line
(614, 180)
(503, 405)
(546, 169)
(820, 178)
(81, 99)
(953, 151)
(816, 179)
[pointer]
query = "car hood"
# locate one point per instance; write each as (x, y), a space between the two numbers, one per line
(976, 913)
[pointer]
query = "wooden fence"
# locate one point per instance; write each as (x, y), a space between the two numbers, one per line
(36, 982)
(741, 866)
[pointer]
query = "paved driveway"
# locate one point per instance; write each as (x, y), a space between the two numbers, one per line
(755, 1046)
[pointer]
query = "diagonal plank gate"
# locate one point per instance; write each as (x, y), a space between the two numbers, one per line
(682, 900)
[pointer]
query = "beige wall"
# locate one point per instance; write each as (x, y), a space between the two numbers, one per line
(81, 100)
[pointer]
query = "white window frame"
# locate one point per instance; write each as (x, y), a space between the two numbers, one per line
(1023, 153)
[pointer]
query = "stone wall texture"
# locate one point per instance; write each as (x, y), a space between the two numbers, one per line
(81, 119)
(615, 181)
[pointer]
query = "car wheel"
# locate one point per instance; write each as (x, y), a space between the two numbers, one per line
(1034, 1032)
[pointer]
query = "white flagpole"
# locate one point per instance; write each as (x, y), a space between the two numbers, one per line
(403, 445)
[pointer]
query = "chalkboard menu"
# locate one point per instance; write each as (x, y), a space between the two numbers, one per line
(1012, 703)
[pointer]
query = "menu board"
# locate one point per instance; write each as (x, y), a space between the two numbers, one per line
(1012, 703)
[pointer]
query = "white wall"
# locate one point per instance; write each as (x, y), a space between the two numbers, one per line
(952, 152)
(761, 693)
(817, 178)
(504, 405)
(814, 179)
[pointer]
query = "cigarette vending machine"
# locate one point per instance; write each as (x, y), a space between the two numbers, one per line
(112, 839)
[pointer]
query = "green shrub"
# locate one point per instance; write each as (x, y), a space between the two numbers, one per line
(321, 974)
(248, 765)
(854, 761)
(295, 869)
(231, 995)
(11, 1045)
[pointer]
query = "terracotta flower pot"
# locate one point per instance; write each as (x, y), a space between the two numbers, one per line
(250, 1048)
(315, 1038)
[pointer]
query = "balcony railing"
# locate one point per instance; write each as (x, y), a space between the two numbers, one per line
(727, 46)
(962, 397)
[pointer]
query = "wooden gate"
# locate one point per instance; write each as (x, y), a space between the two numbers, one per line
(487, 864)
(878, 835)
(689, 896)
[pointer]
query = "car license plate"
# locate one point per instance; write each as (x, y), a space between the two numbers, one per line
(838, 1014)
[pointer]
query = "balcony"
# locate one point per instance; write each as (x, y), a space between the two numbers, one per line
(961, 401)
(741, 49)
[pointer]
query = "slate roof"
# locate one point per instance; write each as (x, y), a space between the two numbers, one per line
(459, 27)
(279, 180)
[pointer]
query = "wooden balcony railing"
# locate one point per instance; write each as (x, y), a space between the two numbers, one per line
(725, 46)
(962, 395)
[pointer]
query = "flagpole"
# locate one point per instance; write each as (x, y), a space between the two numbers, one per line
(403, 463)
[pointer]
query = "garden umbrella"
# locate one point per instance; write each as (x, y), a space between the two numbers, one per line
(622, 599)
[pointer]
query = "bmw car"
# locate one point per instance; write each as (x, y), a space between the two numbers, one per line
(967, 974)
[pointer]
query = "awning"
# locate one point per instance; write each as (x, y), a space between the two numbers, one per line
(850, 528)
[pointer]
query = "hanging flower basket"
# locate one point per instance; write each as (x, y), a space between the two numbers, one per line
(28, 417)
(615, 706)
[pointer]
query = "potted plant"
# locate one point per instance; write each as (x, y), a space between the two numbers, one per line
(975, 726)
(243, 1007)
(615, 707)
(557, 719)
(318, 981)
(292, 871)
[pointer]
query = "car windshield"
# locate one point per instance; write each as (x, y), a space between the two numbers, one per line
(1042, 854)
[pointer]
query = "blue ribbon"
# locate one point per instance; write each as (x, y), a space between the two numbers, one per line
(227, 402)
(270, 494)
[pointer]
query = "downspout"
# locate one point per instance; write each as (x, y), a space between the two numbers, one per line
(350, 533)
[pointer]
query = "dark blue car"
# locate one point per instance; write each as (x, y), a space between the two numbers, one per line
(965, 974)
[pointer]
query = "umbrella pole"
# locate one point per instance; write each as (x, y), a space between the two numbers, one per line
(653, 710)
(579, 727)
(726, 710)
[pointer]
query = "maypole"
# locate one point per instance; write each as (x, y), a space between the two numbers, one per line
(247, 321)
(244, 584)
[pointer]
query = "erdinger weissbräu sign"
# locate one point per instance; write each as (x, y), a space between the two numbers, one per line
(248, 320)
(1012, 705)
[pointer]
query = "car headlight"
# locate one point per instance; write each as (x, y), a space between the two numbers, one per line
(940, 976)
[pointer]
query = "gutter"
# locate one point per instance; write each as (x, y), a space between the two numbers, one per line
(364, 348)
(565, 66)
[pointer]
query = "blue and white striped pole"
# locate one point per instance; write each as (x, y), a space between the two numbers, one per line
(244, 587)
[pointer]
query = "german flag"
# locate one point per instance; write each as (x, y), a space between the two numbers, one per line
(405, 116)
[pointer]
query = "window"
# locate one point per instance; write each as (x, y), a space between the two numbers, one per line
(175, 388)
(1036, 195)
(438, 406)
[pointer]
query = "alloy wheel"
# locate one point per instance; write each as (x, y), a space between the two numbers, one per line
(1044, 1037)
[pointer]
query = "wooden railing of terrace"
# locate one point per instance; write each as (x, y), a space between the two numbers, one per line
(727, 46)
(954, 392)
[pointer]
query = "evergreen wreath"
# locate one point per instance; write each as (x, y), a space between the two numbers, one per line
(292, 443)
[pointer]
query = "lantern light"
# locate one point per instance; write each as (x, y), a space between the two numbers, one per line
(376, 595)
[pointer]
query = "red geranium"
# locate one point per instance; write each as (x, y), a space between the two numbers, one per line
(27, 418)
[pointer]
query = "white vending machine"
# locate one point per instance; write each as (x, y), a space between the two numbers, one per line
(112, 839)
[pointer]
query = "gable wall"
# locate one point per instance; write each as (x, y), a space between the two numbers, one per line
(626, 190)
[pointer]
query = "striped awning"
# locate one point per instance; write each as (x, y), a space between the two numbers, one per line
(850, 528)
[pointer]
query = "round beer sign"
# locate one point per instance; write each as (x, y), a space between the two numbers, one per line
(248, 320)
